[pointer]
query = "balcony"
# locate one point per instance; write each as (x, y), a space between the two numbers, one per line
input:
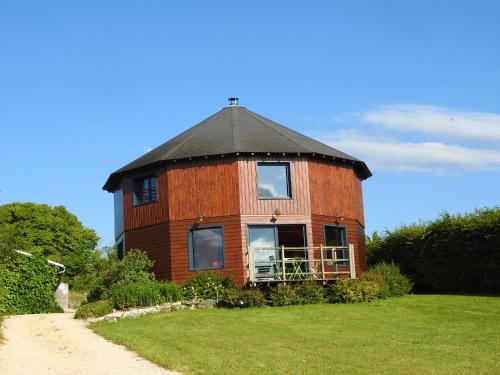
(282, 264)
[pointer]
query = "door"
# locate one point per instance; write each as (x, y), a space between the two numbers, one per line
(258, 237)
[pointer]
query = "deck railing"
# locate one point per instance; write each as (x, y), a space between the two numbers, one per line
(300, 263)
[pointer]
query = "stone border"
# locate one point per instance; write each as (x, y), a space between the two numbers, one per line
(166, 307)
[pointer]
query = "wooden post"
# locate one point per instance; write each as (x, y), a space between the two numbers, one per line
(251, 266)
(352, 264)
(322, 262)
(283, 267)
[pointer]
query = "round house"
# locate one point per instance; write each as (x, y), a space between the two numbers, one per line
(243, 195)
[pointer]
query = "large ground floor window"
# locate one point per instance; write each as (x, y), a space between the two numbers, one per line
(206, 248)
(265, 242)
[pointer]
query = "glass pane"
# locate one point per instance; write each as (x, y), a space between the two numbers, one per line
(334, 236)
(273, 180)
(262, 237)
(207, 248)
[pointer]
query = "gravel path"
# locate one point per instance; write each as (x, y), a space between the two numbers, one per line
(57, 344)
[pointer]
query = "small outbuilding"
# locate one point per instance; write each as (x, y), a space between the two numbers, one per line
(243, 195)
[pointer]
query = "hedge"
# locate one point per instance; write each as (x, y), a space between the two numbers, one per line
(28, 286)
(453, 254)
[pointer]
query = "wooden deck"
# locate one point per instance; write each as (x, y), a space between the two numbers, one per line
(282, 264)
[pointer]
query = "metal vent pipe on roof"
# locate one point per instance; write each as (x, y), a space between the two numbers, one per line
(233, 101)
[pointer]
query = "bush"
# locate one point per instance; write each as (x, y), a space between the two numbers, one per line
(134, 268)
(170, 291)
(379, 280)
(206, 285)
(28, 285)
(310, 292)
(345, 291)
(235, 297)
(283, 295)
(353, 291)
(397, 283)
(94, 310)
(137, 295)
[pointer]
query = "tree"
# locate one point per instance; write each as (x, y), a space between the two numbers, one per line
(49, 231)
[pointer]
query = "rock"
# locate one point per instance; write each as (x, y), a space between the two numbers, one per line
(207, 304)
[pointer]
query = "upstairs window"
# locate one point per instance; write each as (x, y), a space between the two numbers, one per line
(206, 248)
(144, 190)
(273, 179)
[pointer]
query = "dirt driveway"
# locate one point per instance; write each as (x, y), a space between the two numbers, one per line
(58, 344)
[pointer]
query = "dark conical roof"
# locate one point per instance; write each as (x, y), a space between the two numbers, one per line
(232, 130)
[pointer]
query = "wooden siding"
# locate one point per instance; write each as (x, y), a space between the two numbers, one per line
(233, 261)
(203, 186)
(299, 204)
(318, 222)
(155, 241)
(335, 190)
(150, 213)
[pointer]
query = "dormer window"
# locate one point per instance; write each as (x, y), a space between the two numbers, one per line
(273, 179)
(144, 190)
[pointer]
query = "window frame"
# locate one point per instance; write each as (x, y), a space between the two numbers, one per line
(191, 248)
(288, 165)
(344, 240)
(134, 192)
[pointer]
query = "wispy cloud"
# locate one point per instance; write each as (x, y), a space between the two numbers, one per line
(471, 126)
(434, 157)
(146, 149)
(456, 141)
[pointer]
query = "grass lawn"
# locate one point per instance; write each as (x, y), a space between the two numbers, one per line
(418, 334)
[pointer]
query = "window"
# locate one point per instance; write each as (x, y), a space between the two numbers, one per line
(206, 248)
(336, 236)
(144, 190)
(119, 250)
(273, 180)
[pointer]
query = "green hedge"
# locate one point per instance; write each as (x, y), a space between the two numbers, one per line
(28, 285)
(455, 253)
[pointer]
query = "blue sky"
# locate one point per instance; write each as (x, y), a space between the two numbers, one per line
(412, 88)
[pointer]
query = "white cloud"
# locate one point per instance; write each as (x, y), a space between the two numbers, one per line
(146, 149)
(470, 126)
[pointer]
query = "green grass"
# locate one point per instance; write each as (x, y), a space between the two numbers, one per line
(421, 334)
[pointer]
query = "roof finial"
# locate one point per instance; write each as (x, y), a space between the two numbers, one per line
(233, 101)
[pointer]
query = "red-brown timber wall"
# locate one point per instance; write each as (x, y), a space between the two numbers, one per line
(335, 190)
(155, 241)
(233, 257)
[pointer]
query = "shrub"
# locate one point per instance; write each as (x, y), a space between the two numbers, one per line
(283, 295)
(205, 285)
(137, 295)
(28, 285)
(377, 279)
(234, 297)
(397, 283)
(94, 310)
(134, 268)
(310, 292)
(345, 291)
(370, 290)
(170, 291)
